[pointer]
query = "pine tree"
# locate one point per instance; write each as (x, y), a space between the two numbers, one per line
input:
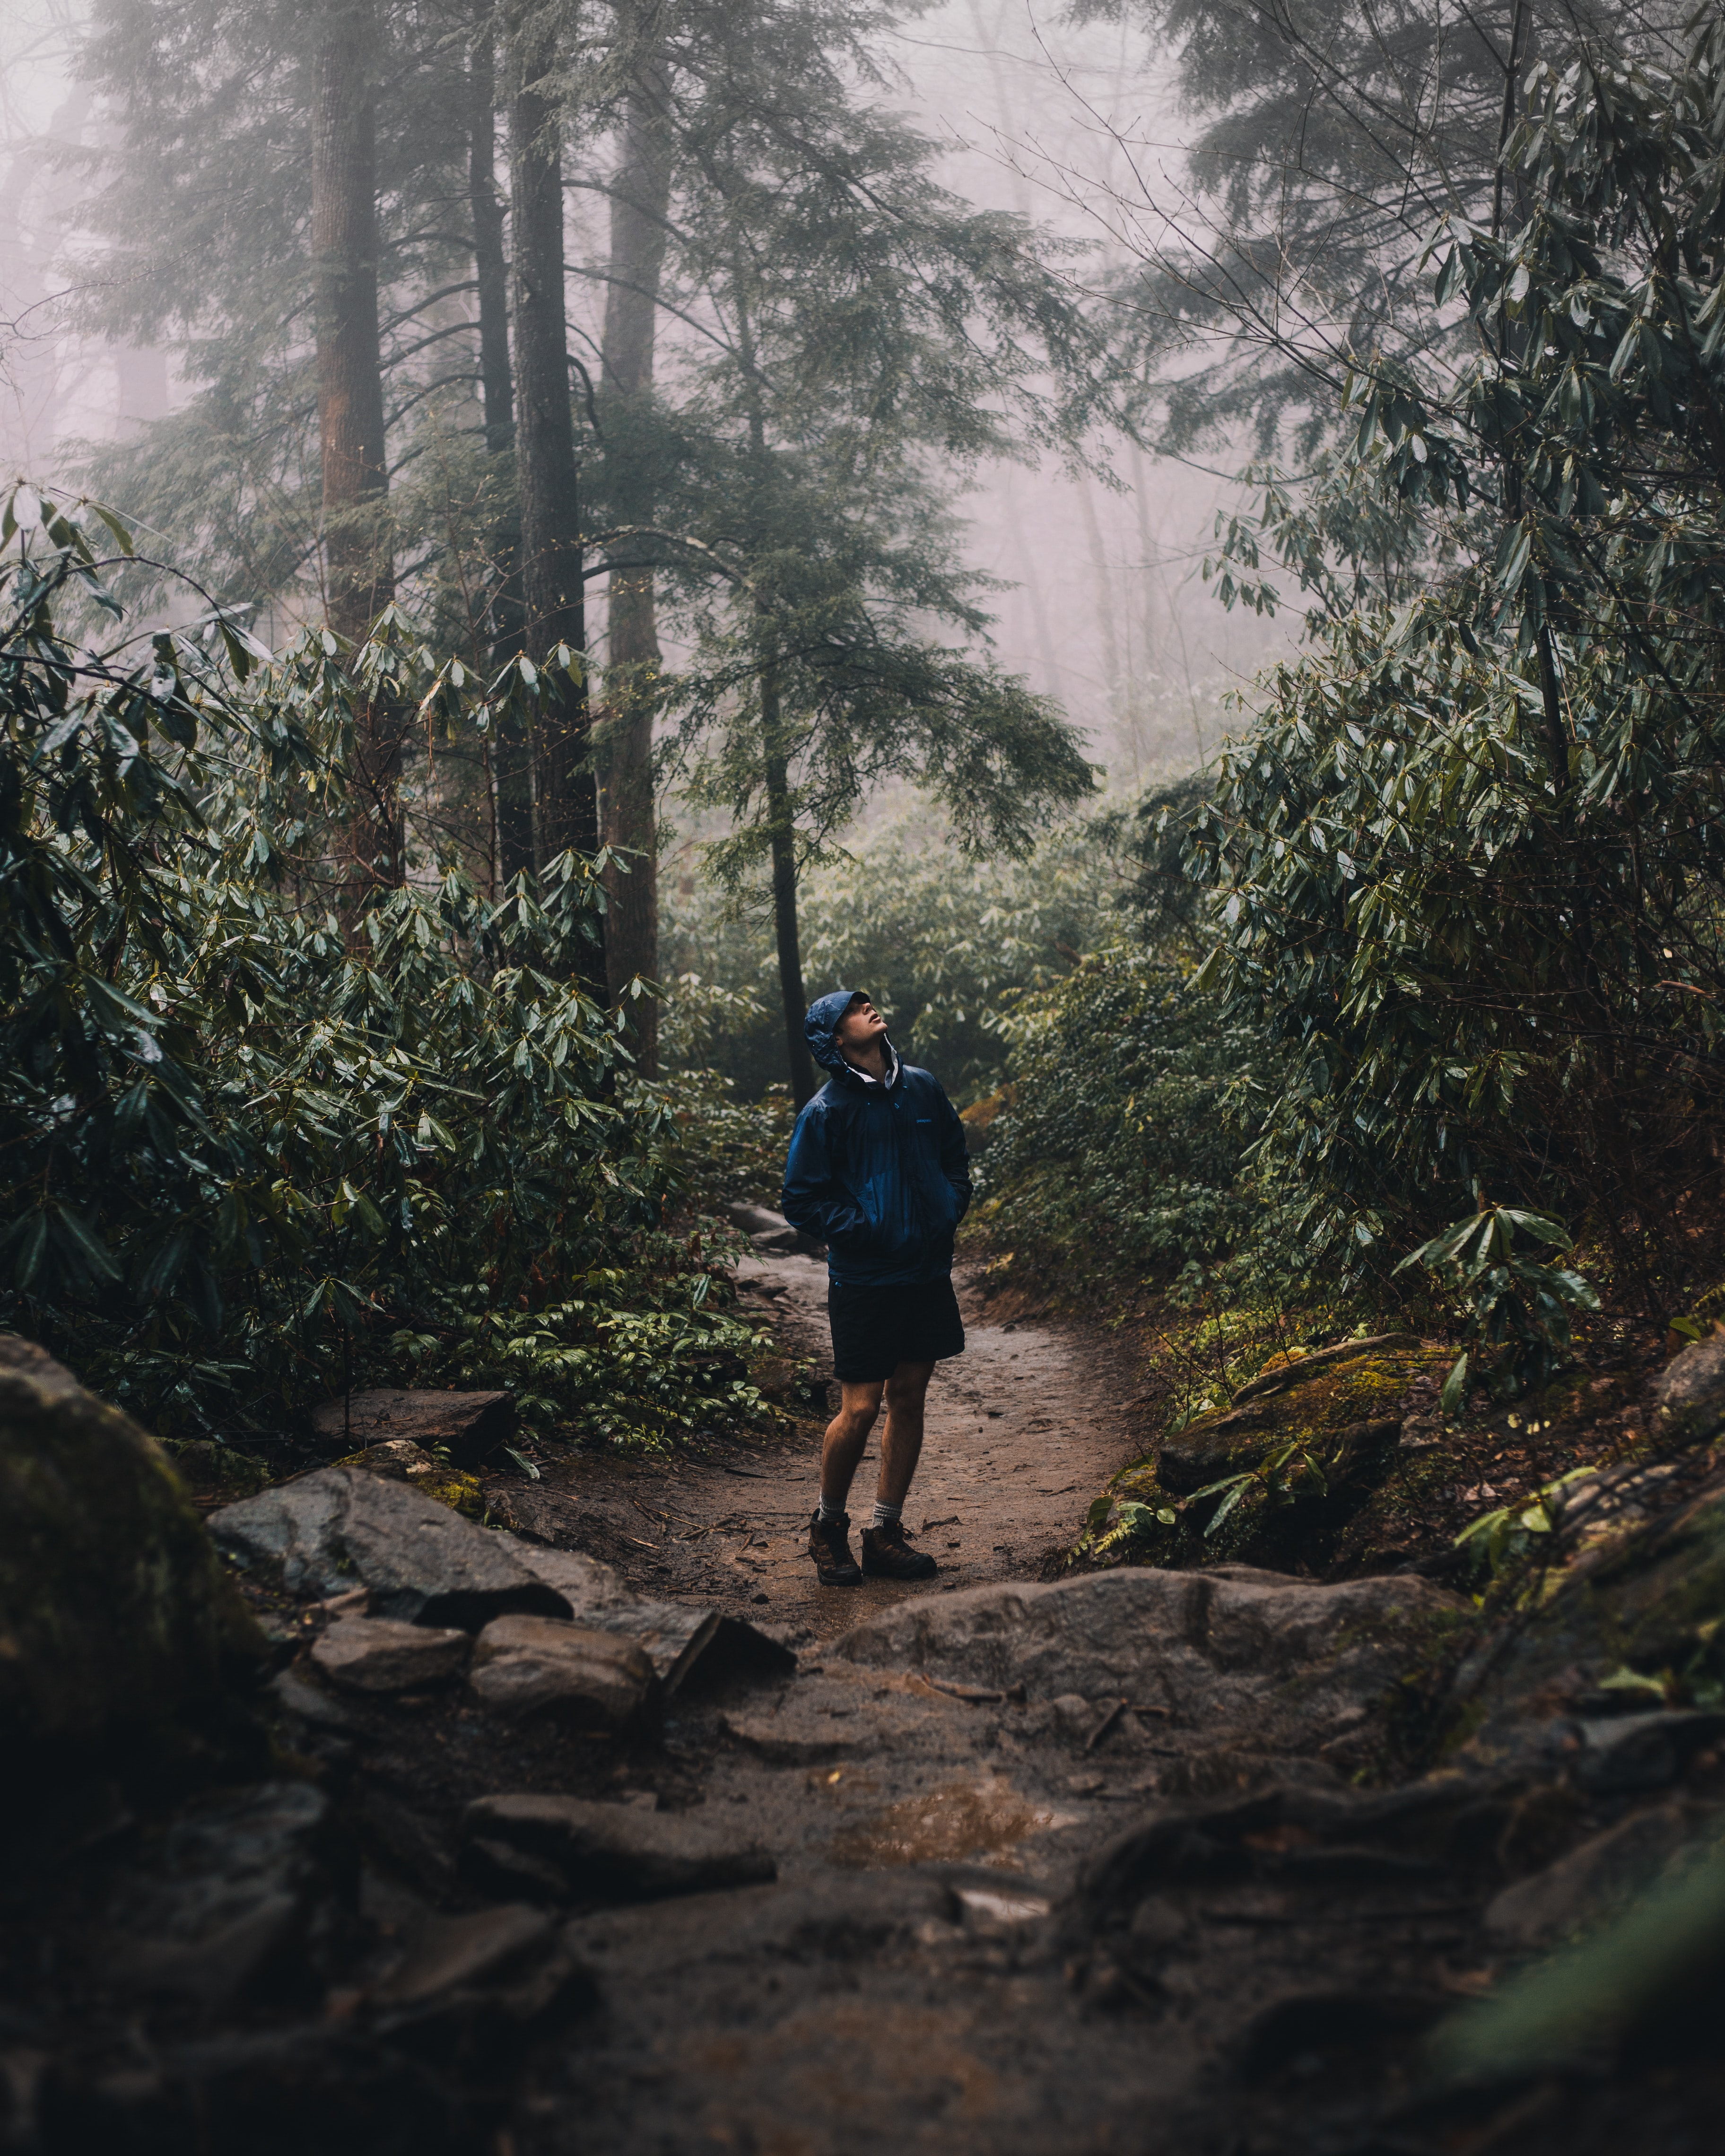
(860, 328)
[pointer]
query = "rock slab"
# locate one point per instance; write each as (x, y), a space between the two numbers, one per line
(1690, 1395)
(1280, 1661)
(573, 1673)
(675, 1636)
(594, 1852)
(223, 1906)
(381, 1655)
(342, 1528)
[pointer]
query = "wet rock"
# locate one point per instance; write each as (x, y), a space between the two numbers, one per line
(1642, 1751)
(342, 1528)
(1343, 1401)
(676, 1637)
(447, 1954)
(1596, 1879)
(380, 1655)
(1690, 1395)
(118, 1629)
(468, 1426)
(597, 1852)
(227, 1901)
(1282, 1658)
(574, 1673)
(469, 1989)
(399, 1459)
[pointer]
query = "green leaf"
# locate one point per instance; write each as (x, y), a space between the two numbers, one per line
(1453, 1397)
(121, 537)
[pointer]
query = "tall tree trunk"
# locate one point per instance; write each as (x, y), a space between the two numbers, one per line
(510, 784)
(490, 267)
(782, 836)
(781, 819)
(349, 411)
(566, 801)
(638, 239)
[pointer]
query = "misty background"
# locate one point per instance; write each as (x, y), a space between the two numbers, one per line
(1102, 605)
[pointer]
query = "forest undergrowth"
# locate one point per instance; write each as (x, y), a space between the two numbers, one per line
(270, 1129)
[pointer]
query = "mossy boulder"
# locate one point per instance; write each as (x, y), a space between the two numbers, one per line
(1339, 1404)
(119, 1630)
(401, 1460)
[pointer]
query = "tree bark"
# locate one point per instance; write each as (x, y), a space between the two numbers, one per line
(510, 787)
(565, 798)
(639, 206)
(360, 570)
(490, 266)
(783, 838)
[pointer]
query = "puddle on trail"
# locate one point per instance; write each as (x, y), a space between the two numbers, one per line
(958, 1821)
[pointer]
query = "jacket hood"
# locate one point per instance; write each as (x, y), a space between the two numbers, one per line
(820, 1027)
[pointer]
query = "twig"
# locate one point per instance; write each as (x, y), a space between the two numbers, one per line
(1104, 1725)
(972, 1695)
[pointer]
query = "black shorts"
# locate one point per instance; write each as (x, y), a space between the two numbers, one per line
(875, 1329)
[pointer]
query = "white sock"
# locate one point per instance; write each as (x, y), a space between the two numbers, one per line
(828, 1513)
(884, 1515)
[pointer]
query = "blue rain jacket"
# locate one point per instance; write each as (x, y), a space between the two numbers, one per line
(878, 1173)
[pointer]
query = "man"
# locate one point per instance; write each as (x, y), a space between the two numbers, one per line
(878, 1172)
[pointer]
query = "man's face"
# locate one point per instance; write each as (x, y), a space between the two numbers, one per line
(860, 1024)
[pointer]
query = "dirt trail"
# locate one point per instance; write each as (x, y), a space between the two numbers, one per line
(1023, 1430)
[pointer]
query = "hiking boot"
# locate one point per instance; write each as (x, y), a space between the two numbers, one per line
(888, 1554)
(829, 1546)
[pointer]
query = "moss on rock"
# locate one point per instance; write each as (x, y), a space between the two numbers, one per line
(401, 1460)
(209, 1469)
(118, 1626)
(1332, 1410)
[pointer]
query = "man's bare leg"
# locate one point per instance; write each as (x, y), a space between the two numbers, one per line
(847, 1435)
(905, 1392)
(885, 1552)
(901, 1441)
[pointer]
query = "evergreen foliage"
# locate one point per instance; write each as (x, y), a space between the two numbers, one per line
(1469, 859)
(1327, 138)
(249, 1154)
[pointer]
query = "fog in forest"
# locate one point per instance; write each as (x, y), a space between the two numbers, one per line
(1102, 607)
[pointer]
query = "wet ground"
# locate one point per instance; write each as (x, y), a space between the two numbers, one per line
(1042, 1864)
(1023, 1430)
